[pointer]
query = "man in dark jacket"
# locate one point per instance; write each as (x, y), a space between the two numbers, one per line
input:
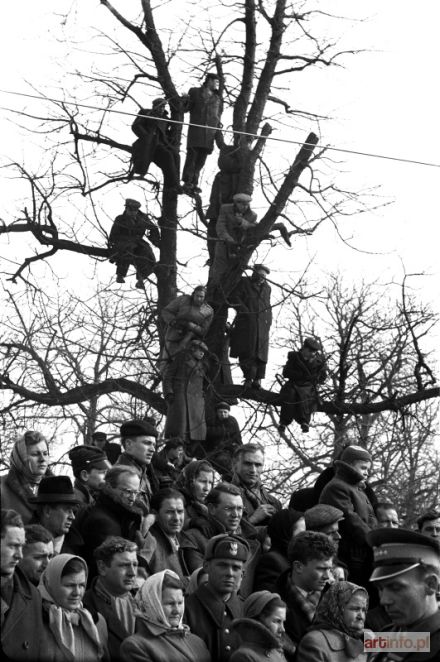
(110, 448)
(223, 437)
(210, 610)
(204, 107)
(127, 246)
(21, 612)
(249, 337)
(110, 592)
(169, 508)
(89, 466)
(346, 491)
(154, 143)
(305, 370)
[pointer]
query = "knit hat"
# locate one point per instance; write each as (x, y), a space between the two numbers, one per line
(242, 197)
(138, 429)
(55, 489)
(227, 546)
(322, 515)
(312, 344)
(256, 602)
(88, 457)
(354, 453)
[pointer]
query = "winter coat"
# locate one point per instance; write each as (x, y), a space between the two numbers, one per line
(152, 643)
(22, 623)
(271, 566)
(178, 314)
(145, 489)
(258, 644)
(128, 231)
(222, 434)
(297, 621)
(165, 556)
(204, 108)
(249, 337)
(183, 380)
(255, 497)
(431, 625)
(151, 132)
(211, 619)
(229, 224)
(51, 651)
(15, 495)
(346, 491)
(329, 646)
(305, 373)
(82, 493)
(195, 539)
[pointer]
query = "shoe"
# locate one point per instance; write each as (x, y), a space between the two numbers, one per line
(281, 429)
(120, 279)
(197, 189)
(304, 427)
(140, 284)
(256, 383)
(247, 384)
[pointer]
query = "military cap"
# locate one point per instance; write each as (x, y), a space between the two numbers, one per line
(322, 515)
(397, 551)
(261, 267)
(55, 489)
(138, 429)
(132, 203)
(241, 197)
(355, 453)
(312, 344)
(223, 405)
(227, 546)
(88, 457)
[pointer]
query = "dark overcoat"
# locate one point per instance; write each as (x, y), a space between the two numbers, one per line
(183, 379)
(304, 373)
(431, 625)
(204, 108)
(258, 643)
(165, 556)
(271, 566)
(150, 132)
(249, 336)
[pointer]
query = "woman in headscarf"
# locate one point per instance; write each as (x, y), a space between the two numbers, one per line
(70, 632)
(283, 526)
(337, 631)
(195, 482)
(160, 635)
(28, 464)
(261, 630)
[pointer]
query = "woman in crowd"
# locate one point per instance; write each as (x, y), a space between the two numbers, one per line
(160, 635)
(283, 526)
(70, 633)
(261, 630)
(195, 483)
(29, 463)
(337, 631)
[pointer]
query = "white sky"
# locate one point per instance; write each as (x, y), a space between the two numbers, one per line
(385, 101)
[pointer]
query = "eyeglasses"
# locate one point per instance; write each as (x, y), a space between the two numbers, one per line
(128, 493)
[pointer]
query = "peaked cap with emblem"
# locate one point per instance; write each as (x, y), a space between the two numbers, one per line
(397, 551)
(227, 546)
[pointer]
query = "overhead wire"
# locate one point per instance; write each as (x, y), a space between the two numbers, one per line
(255, 136)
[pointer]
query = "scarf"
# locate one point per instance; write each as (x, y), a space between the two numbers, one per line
(123, 606)
(61, 621)
(148, 600)
(19, 462)
(307, 603)
(330, 612)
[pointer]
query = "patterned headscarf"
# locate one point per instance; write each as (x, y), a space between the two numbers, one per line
(19, 457)
(330, 612)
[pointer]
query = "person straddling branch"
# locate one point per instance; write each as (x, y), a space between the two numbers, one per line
(249, 336)
(305, 370)
(154, 145)
(204, 107)
(127, 245)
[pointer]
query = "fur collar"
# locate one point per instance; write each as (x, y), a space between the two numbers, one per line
(347, 473)
(253, 633)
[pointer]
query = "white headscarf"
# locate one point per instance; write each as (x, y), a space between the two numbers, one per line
(149, 599)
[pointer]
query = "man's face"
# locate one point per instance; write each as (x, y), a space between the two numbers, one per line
(99, 442)
(222, 414)
(249, 467)
(199, 297)
(308, 353)
(212, 83)
(332, 531)
(120, 576)
(241, 206)
(38, 458)
(314, 575)
(175, 456)
(363, 467)
(171, 515)
(260, 275)
(36, 556)
(431, 528)
(127, 488)
(404, 597)
(198, 353)
(228, 511)
(11, 550)
(94, 478)
(58, 518)
(224, 575)
(202, 485)
(387, 518)
(141, 448)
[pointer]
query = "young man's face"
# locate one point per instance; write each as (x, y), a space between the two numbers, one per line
(387, 518)
(199, 297)
(313, 575)
(363, 467)
(228, 511)
(241, 206)
(11, 550)
(141, 448)
(171, 515)
(431, 528)
(224, 575)
(120, 576)
(249, 467)
(404, 597)
(93, 478)
(36, 557)
(222, 414)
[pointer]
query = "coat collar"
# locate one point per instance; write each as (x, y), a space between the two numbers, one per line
(215, 606)
(347, 473)
(256, 634)
(106, 499)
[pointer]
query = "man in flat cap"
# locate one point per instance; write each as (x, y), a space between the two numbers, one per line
(110, 448)
(305, 370)
(325, 519)
(249, 336)
(127, 245)
(407, 575)
(234, 227)
(223, 437)
(138, 439)
(347, 492)
(210, 610)
(89, 466)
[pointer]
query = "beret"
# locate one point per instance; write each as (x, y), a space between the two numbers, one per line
(354, 453)
(322, 515)
(138, 429)
(241, 197)
(256, 602)
(398, 550)
(227, 546)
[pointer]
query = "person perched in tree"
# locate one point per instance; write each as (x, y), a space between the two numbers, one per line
(204, 107)
(305, 370)
(249, 337)
(127, 246)
(153, 144)
(187, 317)
(183, 392)
(233, 225)
(223, 437)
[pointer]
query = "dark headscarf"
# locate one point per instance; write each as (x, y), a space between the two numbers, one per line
(330, 612)
(280, 528)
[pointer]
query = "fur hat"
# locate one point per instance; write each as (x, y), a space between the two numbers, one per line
(138, 429)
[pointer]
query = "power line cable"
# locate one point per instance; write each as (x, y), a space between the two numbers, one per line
(256, 136)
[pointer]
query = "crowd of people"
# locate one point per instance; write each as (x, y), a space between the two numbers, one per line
(151, 556)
